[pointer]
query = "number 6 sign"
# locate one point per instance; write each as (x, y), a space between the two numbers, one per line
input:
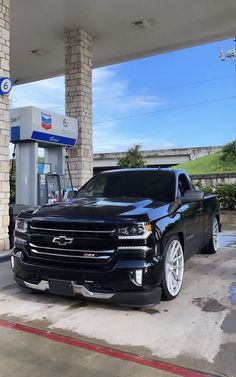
(5, 85)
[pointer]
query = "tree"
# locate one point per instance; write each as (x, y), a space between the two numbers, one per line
(133, 158)
(229, 152)
(12, 182)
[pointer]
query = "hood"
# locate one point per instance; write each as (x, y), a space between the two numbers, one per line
(104, 207)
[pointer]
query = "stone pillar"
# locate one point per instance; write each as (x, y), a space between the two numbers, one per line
(78, 92)
(4, 126)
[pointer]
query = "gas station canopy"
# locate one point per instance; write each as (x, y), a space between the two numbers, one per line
(38, 26)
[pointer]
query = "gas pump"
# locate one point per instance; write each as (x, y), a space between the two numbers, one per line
(49, 188)
(33, 128)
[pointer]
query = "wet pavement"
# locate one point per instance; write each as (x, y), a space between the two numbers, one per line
(228, 234)
(197, 330)
(232, 292)
(228, 239)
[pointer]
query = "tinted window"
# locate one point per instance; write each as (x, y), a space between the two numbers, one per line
(143, 184)
(183, 185)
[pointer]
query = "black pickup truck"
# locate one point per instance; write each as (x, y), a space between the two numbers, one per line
(124, 238)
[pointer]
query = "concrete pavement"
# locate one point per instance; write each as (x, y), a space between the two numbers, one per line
(5, 255)
(24, 356)
(197, 330)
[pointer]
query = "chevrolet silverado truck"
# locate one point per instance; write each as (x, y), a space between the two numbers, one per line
(124, 238)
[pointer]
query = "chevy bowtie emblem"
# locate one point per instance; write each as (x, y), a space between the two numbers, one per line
(62, 240)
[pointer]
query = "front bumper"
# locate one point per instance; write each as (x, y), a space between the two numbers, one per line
(114, 286)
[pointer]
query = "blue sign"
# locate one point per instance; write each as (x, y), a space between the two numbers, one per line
(5, 85)
(15, 134)
(57, 139)
(44, 168)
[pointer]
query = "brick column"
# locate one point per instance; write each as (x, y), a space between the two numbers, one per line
(4, 126)
(78, 83)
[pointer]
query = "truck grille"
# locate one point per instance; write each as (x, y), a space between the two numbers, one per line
(75, 229)
(72, 241)
(70, 253)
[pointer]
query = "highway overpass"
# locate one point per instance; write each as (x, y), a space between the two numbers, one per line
(154, 158)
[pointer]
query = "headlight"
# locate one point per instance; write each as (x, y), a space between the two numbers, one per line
(21, 225)
(135, 231)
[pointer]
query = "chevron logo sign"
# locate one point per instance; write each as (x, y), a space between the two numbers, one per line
(46, 121)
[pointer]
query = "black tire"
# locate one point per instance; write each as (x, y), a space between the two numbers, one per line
(212, 246)
(167, 294)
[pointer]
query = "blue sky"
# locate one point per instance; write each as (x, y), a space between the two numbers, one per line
(180, 99)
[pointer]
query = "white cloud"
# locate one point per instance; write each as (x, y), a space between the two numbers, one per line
(142, 101)
(54, 84)
(45, 94)
(108, 138)
(101, 74)
(113, 92)
(106, 85)
(111, 99)
(122, 144)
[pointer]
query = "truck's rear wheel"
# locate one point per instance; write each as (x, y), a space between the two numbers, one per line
(173, 272)
(213, 244)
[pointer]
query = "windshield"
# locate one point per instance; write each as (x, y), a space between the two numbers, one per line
(134, 184)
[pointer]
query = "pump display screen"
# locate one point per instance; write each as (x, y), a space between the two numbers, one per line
(53, 183)
(49, 189)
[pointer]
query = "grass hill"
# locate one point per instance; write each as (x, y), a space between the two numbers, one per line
(208, 164)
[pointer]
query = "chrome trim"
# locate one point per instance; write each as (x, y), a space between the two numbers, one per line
(74, 231)
(43, 285)
(145, 248)
(74, 250)
(63, 240)
(71, 256)
(80, 289)
(20, 240)
(133, 277)
(138, 237)
(12, 262)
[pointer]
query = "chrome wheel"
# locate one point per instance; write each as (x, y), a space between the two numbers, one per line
(213, 243)
(215, 234)
(174, 267)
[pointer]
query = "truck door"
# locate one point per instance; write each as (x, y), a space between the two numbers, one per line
(192, 215)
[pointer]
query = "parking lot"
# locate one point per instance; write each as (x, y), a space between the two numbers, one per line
(51, 335)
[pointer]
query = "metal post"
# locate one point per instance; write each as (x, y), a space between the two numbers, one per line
(26, 173)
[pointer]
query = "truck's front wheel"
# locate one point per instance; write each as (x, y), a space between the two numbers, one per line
(173, 271)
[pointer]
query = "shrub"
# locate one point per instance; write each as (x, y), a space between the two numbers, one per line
(229, 152)
(133, 158)
(226, 194)
(12, 181)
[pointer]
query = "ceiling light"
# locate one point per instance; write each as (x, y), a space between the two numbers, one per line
(140, 24)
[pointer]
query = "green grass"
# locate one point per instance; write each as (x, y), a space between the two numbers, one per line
(208, 164)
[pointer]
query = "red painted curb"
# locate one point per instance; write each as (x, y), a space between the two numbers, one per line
(160, 365)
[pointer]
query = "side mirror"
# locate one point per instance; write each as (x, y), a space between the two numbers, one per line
(72, 193)
(69, 194)
(191, 196)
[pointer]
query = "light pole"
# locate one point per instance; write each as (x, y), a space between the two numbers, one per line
(231, 53)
